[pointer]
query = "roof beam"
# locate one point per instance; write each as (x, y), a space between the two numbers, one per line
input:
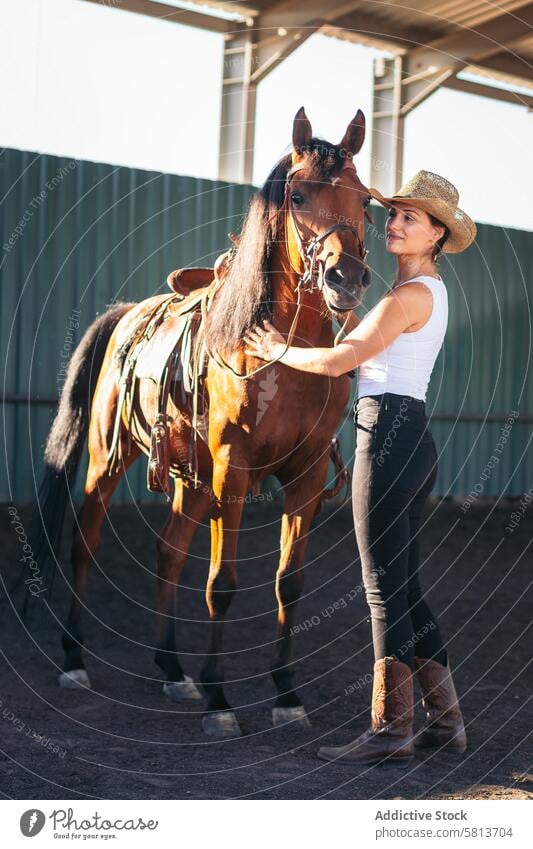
(284, 27)
(294, 13)
(447, 56)
(171, 13)
(499, 77)
(494, 93)
(510, 64)
(473, 44)
(287, 24)
(381, 32)
(233, 8)
(271, 52)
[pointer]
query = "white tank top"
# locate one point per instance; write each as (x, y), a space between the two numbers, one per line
(405, 366)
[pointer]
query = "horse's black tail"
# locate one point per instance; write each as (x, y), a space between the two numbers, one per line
(63, 450)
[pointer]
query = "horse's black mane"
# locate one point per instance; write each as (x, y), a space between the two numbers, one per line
(245, 298)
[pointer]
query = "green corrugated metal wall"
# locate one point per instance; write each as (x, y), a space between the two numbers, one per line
(76, 235)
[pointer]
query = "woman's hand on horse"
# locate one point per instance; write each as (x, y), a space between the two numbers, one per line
(264, 342)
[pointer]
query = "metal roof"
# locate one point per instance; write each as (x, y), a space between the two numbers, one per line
(492, 39)
(501, 33)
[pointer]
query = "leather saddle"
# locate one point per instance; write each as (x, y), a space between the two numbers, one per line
(184, 281)
(182, 351)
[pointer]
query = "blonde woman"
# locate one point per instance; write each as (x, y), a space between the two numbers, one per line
(395, 347)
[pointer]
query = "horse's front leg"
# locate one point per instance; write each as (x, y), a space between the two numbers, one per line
(230, 485)
(301, 500)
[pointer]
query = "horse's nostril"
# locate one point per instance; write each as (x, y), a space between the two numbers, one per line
(333, 277)
(367, 278)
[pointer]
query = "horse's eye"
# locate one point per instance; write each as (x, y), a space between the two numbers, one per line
(366, 203)
(297, 198)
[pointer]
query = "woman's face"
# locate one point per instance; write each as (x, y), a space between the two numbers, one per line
(410, 231)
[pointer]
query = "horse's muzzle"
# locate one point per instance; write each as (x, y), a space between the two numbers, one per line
(343, 293)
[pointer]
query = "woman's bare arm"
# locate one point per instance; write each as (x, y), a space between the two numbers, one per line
(397, 311)
(348, 324)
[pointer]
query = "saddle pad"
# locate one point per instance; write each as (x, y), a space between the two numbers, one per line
(156, 351)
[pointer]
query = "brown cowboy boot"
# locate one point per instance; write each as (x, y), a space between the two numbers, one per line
(390, 737)
(444, 726)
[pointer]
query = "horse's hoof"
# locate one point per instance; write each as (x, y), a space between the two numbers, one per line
(221, 723)
(74, 679)
(283, 715)
(181, 691)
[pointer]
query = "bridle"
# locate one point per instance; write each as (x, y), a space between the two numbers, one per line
(310, 248)
(311, 278)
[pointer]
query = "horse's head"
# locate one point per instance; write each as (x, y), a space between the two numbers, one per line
(325, 203)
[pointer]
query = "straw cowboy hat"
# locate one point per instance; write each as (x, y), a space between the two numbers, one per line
(438, 197)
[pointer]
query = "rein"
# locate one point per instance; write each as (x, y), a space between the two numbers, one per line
(309, 280)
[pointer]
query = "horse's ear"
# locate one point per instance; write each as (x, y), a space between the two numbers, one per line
(354, 136)
(302, 133)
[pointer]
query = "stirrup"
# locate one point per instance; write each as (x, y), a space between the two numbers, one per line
(158, 474)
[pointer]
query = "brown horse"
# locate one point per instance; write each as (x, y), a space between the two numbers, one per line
(300, 259)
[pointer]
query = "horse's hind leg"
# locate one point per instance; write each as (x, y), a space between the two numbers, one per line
(99, 488)
(189, 507)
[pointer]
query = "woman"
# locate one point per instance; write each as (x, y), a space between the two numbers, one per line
(395, 347)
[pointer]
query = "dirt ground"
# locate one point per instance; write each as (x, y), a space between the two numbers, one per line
(124, 739)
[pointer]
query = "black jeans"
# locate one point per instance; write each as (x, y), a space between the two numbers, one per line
(395, 470)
